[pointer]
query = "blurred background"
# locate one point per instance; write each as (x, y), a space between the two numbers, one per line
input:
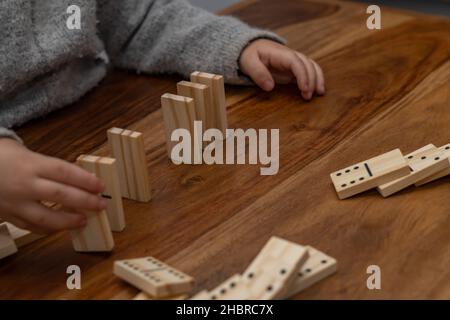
(438, 7)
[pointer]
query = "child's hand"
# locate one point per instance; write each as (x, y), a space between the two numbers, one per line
(28, 178)
(267, 62)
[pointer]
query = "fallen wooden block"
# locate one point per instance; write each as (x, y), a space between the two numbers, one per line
(145, 296)
(7, 245)
(216, 86)
(153, 277)
(106, 170)
(317, 267)
(127, 148)
(202, 295)
(369, 174)
(443, 173)
(232, 289)
(179, 113)
(273, 270)
(423, 163)
(96, 236)
(22, 237)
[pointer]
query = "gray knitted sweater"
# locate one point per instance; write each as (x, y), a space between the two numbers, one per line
(45, 65)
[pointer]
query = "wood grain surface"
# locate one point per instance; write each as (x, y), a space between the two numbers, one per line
(387, 89)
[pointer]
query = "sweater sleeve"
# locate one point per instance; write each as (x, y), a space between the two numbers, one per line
(6, 133)
(171, 36)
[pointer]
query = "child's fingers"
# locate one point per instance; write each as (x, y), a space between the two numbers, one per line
(320, 79)
(48, 220)
(259, 73)
(282, 77)
(67, 196)
(70, 174)
(311, 73)
(298, 68)
(17, 222)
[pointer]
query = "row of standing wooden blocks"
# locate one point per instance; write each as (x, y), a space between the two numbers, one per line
(202, 99)
(125, 175)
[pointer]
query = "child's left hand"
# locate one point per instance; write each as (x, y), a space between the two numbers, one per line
(267, 62)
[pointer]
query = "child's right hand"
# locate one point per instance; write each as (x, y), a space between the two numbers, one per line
(27, 178)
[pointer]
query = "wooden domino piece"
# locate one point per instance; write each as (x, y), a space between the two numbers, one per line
(106, 170)
(232, 289)
(22, 237)
(216, 86)
(96, 236)
(145, 296)
(424, 162)
(317, 267)
(179, 113)
(202, 295)
(369, 174)
(202, 101)
(273, 270)
(127, 148)
(443, 173)
(7, 245)
(153, 277)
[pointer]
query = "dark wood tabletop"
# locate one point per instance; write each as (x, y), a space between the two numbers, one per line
(387, 89)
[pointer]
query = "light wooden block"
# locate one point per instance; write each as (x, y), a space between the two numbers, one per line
(369, 174)
(202, 295)
(22, 237)
(443, 173)
(232, 289)
(153, 277)
(273, 270)
(179, 113)
(422, 163)
(202, 100)
(216, 86)
(7, 245)
(317, 267)
(145, 296)
(96, 236)
(106, 170)
(128, 149)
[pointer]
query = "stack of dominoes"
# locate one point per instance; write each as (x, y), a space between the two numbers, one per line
(201, 99)
(392, 172)
(281, 270)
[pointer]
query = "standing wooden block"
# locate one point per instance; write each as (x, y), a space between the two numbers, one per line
(179, 113)
(422, 163)
(273, 270)
(202, 101)
(128, 149)
(369, 174)
(106, 170)
(22, 237)
(7, 244)
(96, 236)
(443, 173)
(153, 277)
(317, 267)
(216, 86)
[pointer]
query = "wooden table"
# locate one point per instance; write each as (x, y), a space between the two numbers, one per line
(386, 89)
